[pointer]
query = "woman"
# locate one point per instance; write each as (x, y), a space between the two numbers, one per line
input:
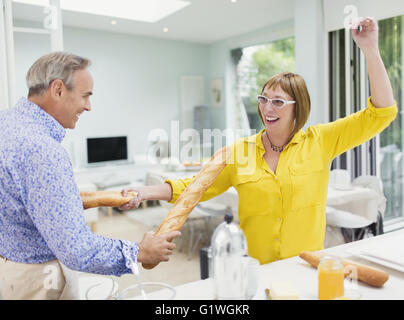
(282, 197)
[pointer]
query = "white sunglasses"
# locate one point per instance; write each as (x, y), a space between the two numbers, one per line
(279, 103)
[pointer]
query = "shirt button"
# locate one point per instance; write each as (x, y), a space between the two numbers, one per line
(279, 219)
(276, 178)
(276, 239)
(279, 198)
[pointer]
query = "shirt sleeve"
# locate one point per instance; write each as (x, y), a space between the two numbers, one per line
(220, 185)
(53, 203)
(355, 129)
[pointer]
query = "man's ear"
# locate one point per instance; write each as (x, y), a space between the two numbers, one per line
(56, 88)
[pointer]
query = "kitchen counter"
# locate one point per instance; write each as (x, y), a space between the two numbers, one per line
(304, 277)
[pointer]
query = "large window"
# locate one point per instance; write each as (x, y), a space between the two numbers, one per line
(349, 89)
(256, 65)
(391, 140)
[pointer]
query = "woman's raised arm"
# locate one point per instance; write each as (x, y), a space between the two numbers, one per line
(367, 40)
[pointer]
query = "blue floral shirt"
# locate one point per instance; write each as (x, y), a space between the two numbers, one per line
(41, 212)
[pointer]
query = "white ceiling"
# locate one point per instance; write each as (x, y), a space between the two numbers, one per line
(204, 21)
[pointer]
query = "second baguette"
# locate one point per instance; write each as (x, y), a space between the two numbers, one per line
(373, 276)
(95, 199)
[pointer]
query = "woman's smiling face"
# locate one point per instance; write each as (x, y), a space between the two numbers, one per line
(277, 120)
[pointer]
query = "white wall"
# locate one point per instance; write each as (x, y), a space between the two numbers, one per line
(311, 56)
(335, 16)
(137, 82)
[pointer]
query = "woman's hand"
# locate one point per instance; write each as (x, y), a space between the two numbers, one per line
(368, 38)
(135, 202)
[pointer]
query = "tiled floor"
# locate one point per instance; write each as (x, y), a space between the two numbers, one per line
(132, 225)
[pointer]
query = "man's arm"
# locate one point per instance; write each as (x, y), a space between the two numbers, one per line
(55, 207)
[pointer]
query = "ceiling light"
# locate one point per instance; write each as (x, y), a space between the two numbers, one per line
(165, 30)
(113, 22)
(233, 1)
(139, 10)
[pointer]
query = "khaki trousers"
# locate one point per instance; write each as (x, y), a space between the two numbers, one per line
(45, 281)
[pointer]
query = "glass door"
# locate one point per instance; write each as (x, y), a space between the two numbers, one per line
(390, 153)
(349, 90)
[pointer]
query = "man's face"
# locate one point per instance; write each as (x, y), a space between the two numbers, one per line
(74, 102)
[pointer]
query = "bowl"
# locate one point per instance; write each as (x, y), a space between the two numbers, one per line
(152, 291)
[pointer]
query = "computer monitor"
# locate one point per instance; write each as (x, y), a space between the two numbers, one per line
(107, 150)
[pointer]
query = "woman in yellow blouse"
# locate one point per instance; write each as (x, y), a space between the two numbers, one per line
(283, 187)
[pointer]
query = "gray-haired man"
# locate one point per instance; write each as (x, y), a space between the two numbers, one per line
(41, 214)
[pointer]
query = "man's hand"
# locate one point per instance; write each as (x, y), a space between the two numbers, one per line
(155, 249)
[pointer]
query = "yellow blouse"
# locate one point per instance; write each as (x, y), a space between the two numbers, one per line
(283, 213)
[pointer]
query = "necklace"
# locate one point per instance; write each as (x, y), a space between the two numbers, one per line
(274, 147)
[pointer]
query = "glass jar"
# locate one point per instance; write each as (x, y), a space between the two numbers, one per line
(330, 278)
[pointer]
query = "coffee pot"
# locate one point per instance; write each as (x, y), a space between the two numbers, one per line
(228, 268)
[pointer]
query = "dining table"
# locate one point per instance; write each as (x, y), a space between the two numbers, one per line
(304, 278)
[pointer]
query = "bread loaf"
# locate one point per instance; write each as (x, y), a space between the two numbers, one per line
(95, 199)
(372, 276)
(190, 197)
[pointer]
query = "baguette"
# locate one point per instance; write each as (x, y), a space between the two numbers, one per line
(95, 199)
(372, 276)
(190, 197)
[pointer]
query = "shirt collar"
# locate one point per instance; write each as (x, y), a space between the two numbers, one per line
(55, 129)
(257, 139)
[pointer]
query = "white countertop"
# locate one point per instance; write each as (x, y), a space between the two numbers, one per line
(304, 277)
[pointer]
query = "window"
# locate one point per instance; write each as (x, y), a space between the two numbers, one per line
(256, 65)
(391, 139)
(349, 89)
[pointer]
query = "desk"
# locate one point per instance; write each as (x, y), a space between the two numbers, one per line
(304, 277)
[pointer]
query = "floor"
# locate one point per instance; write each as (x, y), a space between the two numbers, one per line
(132, 225)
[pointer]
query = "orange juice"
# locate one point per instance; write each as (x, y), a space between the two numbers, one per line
(330, 278)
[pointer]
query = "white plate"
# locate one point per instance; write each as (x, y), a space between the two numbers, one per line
(363, 255)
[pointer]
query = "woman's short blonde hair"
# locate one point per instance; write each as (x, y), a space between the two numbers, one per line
(295, 86)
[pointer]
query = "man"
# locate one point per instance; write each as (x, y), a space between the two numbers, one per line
(42, 228)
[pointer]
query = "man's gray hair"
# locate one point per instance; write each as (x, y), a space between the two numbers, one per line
(56, 65)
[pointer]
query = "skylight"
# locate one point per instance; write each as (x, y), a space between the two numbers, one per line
(139, 10)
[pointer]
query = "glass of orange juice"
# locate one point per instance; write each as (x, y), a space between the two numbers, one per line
(330, 278)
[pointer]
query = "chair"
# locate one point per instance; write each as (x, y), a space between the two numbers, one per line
(342, 226)
(367, 221)
(374, 183)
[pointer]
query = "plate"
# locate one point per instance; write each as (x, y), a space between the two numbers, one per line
(359, 253)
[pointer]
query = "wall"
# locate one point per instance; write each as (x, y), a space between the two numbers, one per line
(137, 82)
(335, 16)
(311, 56)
